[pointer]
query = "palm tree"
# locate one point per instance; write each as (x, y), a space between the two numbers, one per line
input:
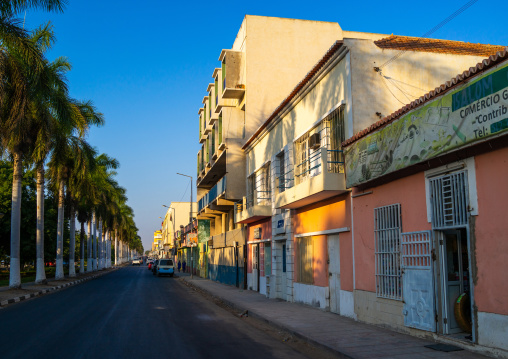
(52, 112)
(30, 98)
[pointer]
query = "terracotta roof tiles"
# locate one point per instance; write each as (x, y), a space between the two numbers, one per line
(407, 43)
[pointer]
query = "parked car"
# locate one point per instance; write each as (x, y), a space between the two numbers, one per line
(137, 262)
(154, 266)
(165, 267)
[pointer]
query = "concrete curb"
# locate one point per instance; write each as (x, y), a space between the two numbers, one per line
(3, 303)
(272, 323)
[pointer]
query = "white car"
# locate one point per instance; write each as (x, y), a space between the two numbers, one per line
(137, 262)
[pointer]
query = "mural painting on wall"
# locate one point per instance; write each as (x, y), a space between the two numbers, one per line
(469, 114)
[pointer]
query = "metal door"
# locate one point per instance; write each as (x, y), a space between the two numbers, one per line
(283, 282)
(418, 281)
(334, 272)
(255, 267)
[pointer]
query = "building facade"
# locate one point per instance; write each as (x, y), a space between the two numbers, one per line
(295, 163)
(429, 201)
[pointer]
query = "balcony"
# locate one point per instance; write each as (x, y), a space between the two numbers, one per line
(320, 177)
(215, 192)
(254, 210)
(213, 170)
(236, 237)
(233, 81)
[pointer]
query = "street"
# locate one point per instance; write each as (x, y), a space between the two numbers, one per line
(131, 314)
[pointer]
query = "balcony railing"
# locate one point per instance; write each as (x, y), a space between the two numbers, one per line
(318, 177)
(312, 165)
(215, 192)
(256, 197)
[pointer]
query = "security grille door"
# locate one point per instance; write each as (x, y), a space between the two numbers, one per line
(418, 281)
(449, 200)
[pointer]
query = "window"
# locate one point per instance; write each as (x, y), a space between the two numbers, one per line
(259, 189)
(305, 249)
(213, 140)
(449, 198)
(210, 104)
(282, 172)
(335, 124)
(327, 135)
(387, 252)
(216, 91)
(219, 129)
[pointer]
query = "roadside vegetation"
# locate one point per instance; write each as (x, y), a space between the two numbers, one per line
(50, 175)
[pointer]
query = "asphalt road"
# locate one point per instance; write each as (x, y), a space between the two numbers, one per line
(130, 313)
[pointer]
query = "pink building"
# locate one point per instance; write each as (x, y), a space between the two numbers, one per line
(430, 205)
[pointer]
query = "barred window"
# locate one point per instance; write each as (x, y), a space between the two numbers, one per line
(305, 249)
(387, 236)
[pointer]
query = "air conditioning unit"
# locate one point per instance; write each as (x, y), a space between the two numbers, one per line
(315, 141)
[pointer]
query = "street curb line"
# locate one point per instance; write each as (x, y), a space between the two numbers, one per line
(52, 289)
(273, 323)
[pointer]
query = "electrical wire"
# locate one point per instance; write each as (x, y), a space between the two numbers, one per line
(434, 29)
(385, 83)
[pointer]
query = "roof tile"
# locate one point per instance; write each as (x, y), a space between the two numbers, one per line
(408, 43)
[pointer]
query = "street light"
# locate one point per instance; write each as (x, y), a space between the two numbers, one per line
(190, 221)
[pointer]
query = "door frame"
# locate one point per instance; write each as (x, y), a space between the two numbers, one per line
(440, 277)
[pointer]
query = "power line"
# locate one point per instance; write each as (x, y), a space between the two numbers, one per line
(434, 29)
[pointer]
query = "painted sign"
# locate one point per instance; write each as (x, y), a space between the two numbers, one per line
(473, 112)
(191, 240)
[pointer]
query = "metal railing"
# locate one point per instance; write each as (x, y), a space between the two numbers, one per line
(258, 197)
(213, 193)
(334, 160)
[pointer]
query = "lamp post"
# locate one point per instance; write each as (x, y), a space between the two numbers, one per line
(190, 221)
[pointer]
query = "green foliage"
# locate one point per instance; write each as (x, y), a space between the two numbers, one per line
(28, 216)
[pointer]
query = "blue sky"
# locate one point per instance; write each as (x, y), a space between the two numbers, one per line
(146, 66)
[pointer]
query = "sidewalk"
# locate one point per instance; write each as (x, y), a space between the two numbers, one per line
(344, 336)
(31, 289)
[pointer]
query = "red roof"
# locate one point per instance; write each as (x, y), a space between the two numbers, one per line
(407, 43)
(486, 64)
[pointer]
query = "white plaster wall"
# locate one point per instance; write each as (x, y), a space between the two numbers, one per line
(323, 97)
(310, 294)
(347, 304)
(493, 330)
(262, 285)
(249, 281)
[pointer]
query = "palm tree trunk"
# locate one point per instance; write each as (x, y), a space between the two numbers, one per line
(116, 248)
(94, 243)
(72, 243)
(99, 245)
(59, 272)
(40, 273)
(15, 275)
(89, 266)
(82, 248)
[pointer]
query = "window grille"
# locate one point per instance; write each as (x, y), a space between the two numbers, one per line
(449, 200)
(387, 251)
(282, 172)
(259, 191)
(305, 249)
(332, 134)
(335, 123)
(416, 250)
